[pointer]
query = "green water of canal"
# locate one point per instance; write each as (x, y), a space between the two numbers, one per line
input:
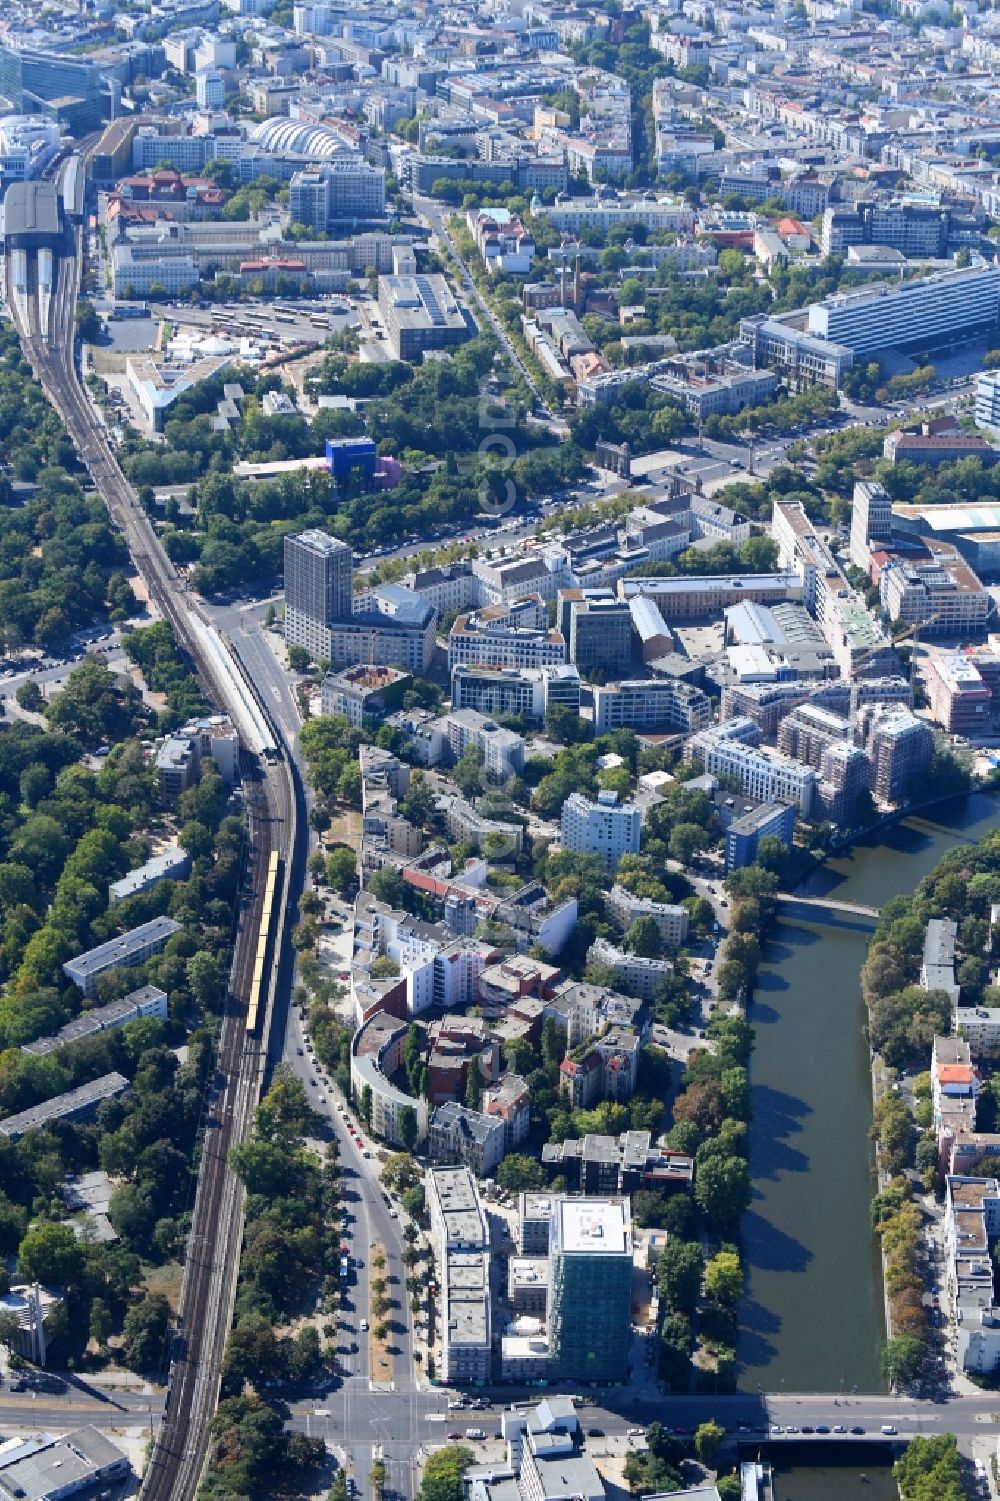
(812, 1318)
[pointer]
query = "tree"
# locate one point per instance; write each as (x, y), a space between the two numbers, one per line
(685, 841)
(648, 1207)
(145, 1334)
(679, 1273)
(675, 1351)
(51, 1253)
(206, 979)
(735, 1086)
(264, 1168)
(467, 773)
(708, 1439)
(722, 1190)
(388, 886)
(553, 1041)
(893, 1129)
(400, 1172)
(10, 1331)
(131, 1214)
(196, 838)
(902, 1359)
(643, 938)
(442, 1478)
(701, 1104)
(930, 1469)
(412, 1200)
(731, 979)
(724, 1277)
(520, 1174)
(305, 1354)
(418, 804)
(100, 1322)
(408, 1128)
(341, 869)
(366, 1105)
(88, 324)
(29, 696)
(566, 726)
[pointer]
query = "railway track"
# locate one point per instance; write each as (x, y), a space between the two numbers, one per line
(212, 1259)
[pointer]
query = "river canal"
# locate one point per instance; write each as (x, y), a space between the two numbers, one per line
(812, 1318)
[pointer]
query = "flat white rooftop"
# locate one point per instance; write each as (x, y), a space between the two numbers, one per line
(599, 1226)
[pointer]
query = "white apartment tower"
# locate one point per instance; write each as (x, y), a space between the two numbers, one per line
(606, 827)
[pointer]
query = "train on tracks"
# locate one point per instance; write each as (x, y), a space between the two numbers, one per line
(257, 1000)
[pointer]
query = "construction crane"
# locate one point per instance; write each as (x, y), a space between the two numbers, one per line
(911, 630)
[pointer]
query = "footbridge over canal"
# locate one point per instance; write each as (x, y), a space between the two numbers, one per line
(827, 909)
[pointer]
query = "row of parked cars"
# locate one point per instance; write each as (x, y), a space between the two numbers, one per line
(790, 1428)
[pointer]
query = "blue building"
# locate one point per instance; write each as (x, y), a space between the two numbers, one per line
(347, 456)
(745, 833)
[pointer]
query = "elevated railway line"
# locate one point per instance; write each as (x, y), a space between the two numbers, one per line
(44, 313)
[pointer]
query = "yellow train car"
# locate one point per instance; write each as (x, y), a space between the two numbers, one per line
(258, 985)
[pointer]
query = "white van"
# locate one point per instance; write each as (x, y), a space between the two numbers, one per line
(888, 1429)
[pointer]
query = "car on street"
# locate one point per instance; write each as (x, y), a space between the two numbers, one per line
(839, 1428)
(857, 1428)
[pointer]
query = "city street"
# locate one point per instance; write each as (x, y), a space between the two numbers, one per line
(350, 1415)
(355, 1418)
(430, 210)
(361, 1414)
